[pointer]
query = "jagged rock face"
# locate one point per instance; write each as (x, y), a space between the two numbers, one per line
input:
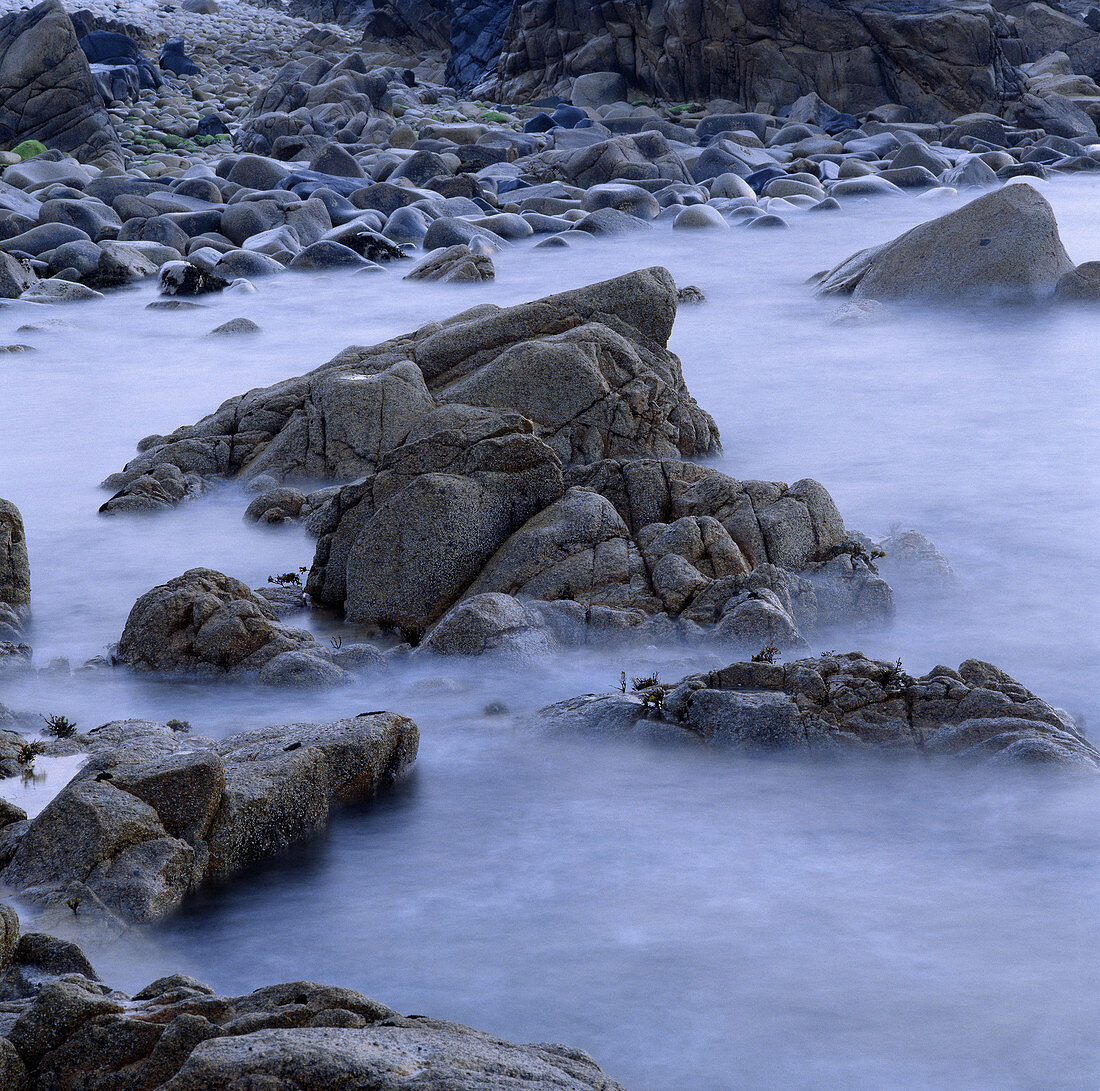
(575, 377)
(46, 89)
(151, 816)
(834, 704)
(1002, 247)
(938, 58)
(615, 546)
(63, 1027)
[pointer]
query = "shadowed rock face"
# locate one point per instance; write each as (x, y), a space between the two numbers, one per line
(573, 377)
(63, 1027)
(1002, 247)
(152, 814)
(836, 704)
(937, 58)
(46, 89)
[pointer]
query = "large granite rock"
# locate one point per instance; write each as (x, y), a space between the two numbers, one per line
(46, 89)
(1002, 247)
(575, 377)
(205, 622)
(64, 1028)
(938, 58)
(153, 814)
(619, 548)
(836, 704)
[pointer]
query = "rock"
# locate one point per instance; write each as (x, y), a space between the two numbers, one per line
(836, 704)
(234, 327)
(604, 344)
(454, 264)
(1079, 285)
(598, 89)
(490, 622)
(46, 89)
(205, 621)
(177, 1034)
(173, 58)
(15, 277)
(939, 60)
(15, 571)
(631, 540)
(149, 817)
(113, 50)
(1001, 247)
(696, 217)
(59, 291)
(302, 670)
(184, 278)
(275, 506)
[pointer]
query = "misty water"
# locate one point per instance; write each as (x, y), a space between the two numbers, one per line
(692, 919)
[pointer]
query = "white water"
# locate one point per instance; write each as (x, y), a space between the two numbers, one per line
(692, 920)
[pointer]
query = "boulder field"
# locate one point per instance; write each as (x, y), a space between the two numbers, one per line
(293, 146)
(61, 1026)
(833, 705)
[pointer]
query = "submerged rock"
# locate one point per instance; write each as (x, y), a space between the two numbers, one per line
(1002, 247)
(836, 704)
(64, 1027)
(150, 816)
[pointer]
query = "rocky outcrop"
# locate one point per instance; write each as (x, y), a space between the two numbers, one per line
(154, 814)
(834, 704)
(1002, 247)
(46, 89)
(63, 1027)
(205, 622)
(620, 548)
(940, 59)
(575, 377)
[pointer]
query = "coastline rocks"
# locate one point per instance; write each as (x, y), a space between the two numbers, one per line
(206, 622)
(1002, 247)
(47, 92)
(63, 1027)
(149, 817)
(575, 377)
(833, 705)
